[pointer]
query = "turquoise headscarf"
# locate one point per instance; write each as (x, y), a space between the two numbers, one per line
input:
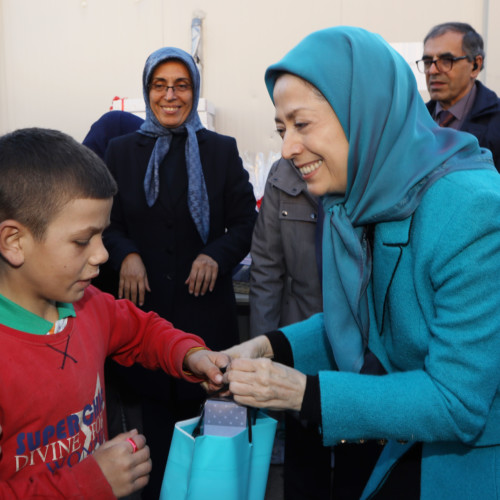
(396, 152)
(197, 191)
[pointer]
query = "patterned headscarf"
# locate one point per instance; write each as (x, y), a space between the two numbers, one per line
(396, 152)
(197, 190)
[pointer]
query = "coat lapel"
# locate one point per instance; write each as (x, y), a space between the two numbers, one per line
(391, 238)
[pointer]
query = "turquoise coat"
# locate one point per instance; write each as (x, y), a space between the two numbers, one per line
(435, 325)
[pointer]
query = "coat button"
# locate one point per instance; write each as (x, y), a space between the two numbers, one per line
(313, 216)
(284, 213)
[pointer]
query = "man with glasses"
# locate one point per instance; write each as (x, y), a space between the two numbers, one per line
(452, 60)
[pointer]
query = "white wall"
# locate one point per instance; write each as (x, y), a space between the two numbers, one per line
(63, 61)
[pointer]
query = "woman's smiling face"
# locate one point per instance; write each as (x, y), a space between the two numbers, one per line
(313, 137)
(171, 108)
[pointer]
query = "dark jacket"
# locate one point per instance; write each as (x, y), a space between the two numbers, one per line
(483, 120)
(165, 235)
(284, 282)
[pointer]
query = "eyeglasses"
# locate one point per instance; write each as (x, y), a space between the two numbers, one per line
(443, 64)
(178, 88)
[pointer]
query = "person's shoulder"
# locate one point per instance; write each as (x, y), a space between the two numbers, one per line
(483, 89)
(464, 202)
(123, 145)
(282, 165)
(486, 100)
(464, 188)
(472, 180)
(130, 139)
(205, 135)
(284, 176)
(458, 213)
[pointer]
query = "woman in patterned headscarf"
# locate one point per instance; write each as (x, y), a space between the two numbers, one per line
(181, 221)
(406, 350)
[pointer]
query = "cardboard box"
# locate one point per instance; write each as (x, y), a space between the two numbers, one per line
(135, 106)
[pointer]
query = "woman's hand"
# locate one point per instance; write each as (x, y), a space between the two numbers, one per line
(258, 347)
(133, 279)
(126, 468)
(265, 384)
(203, 275)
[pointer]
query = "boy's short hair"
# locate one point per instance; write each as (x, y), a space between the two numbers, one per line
(41, 170)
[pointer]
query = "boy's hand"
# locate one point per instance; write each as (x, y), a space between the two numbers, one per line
(207, 364)
(126, 470)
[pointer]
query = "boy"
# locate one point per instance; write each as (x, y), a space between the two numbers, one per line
(56, 330)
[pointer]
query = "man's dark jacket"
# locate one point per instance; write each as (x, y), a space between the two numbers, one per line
(483, 121)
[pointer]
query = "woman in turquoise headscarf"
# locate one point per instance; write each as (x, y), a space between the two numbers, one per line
(407, 349)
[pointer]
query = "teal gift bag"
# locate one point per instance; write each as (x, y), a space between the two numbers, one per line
(233, 467)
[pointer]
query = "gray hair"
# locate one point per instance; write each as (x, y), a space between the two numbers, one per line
(472, 42)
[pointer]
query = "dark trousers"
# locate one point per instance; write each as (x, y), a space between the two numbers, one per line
(354, 464)
(307, 467)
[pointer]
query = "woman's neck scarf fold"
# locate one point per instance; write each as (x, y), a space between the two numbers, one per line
(197, 190)
(396, 152)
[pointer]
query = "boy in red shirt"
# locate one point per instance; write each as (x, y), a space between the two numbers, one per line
(56, 329)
